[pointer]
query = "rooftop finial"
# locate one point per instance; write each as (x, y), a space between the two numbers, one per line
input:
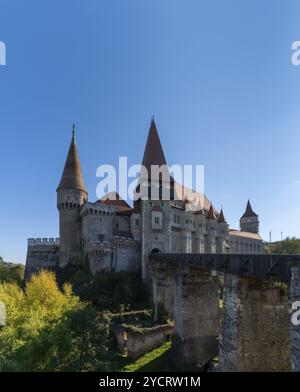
(152, 118)
(73, 130)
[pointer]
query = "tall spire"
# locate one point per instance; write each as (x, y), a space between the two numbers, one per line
(221, 217)
(153, 154)
(72, 177)
(249, 212)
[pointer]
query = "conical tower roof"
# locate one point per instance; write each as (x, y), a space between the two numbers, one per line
(221, 217)
(249, 212)
(211, 213)
(72, 177)
(153, 154)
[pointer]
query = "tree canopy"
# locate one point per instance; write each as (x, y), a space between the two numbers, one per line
(288, 246)
(49, 329)
(10, 272)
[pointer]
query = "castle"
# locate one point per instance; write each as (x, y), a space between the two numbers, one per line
(114, 236)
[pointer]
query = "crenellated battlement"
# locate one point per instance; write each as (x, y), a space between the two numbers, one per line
(124, 242)
(42, 241)
(97, 248)
(96, 209)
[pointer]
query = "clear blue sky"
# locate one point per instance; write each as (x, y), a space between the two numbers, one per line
(217, 76)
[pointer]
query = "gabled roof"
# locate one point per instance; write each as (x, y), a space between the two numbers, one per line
(249, 212)
(113, 199)
(72, 177)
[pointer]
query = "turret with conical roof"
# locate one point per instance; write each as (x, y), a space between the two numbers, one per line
(222, 245)
(153, 154)
(155, 195)
(72, 177)
(221, 218)
(211, 213)
(71, 195)
(249, 221)
(157, 172)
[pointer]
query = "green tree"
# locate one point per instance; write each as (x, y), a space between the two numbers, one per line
(48, 329)
(10, 272)
(288, 246)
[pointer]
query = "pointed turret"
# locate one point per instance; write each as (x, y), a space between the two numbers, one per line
(153, 154)
(249, 212)
(72, 177)
(155, 181)
(211, 213)
(71, 195)
(249, 221)
(221, 218)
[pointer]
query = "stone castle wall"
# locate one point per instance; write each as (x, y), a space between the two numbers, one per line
(42, 253)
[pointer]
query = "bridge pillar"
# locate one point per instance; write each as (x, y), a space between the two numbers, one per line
(196, 326)
(163, 289)
(295, 329)
(255, 326)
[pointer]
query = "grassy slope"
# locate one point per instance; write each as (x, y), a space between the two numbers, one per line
(154, 361)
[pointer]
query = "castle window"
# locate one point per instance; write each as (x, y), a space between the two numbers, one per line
(157, 220)
(137, 222)
(100, 219)
(100, 237)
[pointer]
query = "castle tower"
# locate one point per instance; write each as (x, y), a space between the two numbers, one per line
(249, 221)
(211, 230)
(222, 246)
(155, 200)
(71, 195)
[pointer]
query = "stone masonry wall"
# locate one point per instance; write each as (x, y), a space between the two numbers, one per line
(41, 253)
(138, 344)
(196, 326)
(295, 330)
(255, 326)
(163, 289)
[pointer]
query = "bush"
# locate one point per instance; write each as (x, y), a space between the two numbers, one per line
(113, 291)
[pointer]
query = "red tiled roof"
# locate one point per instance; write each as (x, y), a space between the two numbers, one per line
(113, 199)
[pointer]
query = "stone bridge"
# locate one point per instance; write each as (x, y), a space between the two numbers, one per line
(249, 329)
